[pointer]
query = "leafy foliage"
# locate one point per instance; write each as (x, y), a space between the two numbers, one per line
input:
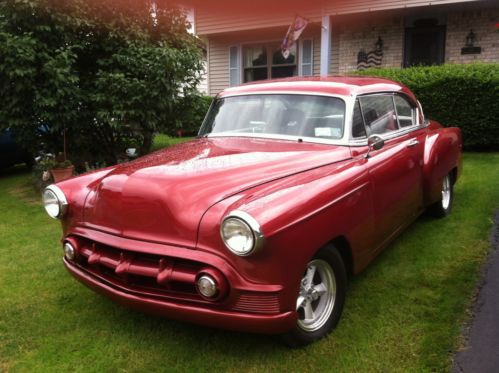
(466, 96)
(192, 111)
(108, 73)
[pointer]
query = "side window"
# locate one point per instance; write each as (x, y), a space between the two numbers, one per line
(405, 112)
(358, 128)
(379, 114)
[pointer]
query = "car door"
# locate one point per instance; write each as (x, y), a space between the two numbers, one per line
(395, 170)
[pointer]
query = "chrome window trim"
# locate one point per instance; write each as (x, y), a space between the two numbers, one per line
(270, 136)
(284, 92)
(253, 224)
(344, 141)
(390, 135)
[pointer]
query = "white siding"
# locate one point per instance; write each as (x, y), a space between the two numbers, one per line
(213, 22)
(218, 52)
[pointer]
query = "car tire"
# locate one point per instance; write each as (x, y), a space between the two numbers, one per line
(320, 298)
(443, 207)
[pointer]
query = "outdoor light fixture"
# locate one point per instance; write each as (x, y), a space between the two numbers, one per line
(469, 46)
(470, 39)
(379, 44)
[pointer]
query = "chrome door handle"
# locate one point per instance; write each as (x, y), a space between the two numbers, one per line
(412, 143)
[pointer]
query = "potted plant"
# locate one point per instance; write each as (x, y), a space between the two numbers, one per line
(62, 168)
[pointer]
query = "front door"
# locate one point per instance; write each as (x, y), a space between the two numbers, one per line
(424, 45)
(396, 169)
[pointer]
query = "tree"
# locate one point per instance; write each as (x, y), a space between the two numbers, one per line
(106, 73)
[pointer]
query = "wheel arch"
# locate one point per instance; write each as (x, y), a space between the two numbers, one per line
(343, 247)
(454, 175)
(442, 156)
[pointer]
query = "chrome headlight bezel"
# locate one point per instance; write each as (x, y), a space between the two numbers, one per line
(60, 198)
(253, 228)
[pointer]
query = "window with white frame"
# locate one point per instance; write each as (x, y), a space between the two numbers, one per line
(252, 62)
(265, 61)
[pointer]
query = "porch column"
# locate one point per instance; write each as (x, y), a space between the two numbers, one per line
(325, 45)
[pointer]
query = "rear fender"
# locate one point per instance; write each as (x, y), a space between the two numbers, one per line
(442, 155)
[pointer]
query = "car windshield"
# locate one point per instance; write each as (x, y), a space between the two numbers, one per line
(277, 114)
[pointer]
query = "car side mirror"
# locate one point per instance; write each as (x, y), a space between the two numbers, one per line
(374, 142)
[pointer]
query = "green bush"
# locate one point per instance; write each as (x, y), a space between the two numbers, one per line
(97, 76)
(191, 115)
(465, 96)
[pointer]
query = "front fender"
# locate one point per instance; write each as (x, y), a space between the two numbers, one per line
(76, 191)
(298, 216)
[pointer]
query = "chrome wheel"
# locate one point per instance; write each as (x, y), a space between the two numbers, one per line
(317, 296)
(446, 192)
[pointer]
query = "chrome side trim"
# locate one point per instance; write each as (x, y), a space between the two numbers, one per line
(387, 136)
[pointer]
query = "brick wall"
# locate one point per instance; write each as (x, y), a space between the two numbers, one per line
(352, 34)
(482, 22)
(360, 33)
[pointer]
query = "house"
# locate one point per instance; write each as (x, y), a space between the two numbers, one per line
(243, 38)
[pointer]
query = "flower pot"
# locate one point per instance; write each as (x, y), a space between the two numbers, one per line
(60, 174)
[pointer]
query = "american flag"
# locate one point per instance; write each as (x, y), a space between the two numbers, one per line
(294, 32)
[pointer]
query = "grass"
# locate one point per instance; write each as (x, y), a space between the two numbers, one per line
(403, 314)
(162, 141)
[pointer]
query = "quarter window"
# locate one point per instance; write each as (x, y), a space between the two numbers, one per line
(379, 114)
(405, 112)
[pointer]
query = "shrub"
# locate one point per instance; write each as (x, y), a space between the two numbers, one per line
(465, 96)
(191, 114)
(106, 74)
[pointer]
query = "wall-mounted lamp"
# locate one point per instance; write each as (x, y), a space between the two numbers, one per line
(469, 46)
(379, 44)
(470, 39)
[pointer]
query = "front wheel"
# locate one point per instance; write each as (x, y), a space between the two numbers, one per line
(320, 298)
(443, 207)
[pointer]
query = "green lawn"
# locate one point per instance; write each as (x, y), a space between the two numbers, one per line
(403, 314)
(162, 141)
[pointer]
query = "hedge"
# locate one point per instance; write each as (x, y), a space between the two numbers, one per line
(466, 96)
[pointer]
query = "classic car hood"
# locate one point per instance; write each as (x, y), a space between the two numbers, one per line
(162, 197)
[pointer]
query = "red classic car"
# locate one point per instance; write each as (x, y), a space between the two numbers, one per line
(291, 187)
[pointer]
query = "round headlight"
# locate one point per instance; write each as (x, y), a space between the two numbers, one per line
(241, 233)
(54, 201)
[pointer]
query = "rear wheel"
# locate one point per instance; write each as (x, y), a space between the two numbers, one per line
(443, 207)
(320, 298)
